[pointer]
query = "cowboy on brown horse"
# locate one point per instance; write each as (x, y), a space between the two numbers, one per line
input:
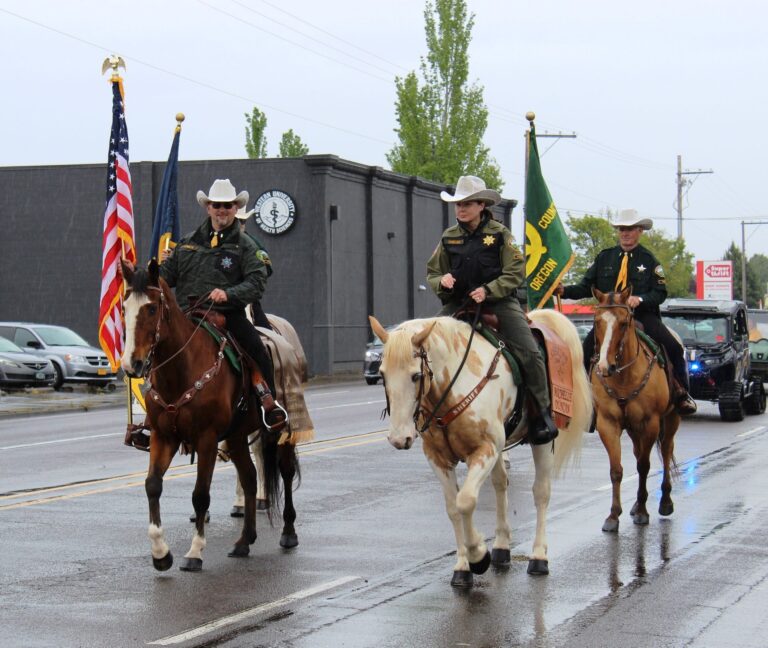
(218, 263)
(629, 264)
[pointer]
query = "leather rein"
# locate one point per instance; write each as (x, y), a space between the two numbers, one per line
(423, 412)
(623, 400)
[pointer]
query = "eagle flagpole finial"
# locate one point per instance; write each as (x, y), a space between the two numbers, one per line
(113, 61)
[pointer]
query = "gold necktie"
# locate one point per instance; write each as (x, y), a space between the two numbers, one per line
(621, 281)
(215, 239)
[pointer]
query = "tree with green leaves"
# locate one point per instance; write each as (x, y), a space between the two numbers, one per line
(591, 234)
(442, 121)
(255, 138)
(755, 292)
(292, 146)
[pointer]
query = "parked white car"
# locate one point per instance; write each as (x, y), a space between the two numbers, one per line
(74, 360)
(19, 369)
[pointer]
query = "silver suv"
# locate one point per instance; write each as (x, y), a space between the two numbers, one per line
(74, 360)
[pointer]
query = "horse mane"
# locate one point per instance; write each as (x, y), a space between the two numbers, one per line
(398, 349)
(140, 281)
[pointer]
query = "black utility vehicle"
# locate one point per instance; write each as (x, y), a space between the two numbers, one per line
(716, 340)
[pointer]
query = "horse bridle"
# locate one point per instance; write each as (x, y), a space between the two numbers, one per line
(623, 400)
(206, 377)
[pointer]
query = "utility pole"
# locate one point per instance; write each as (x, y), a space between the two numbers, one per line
(744, 257)
(681, 182)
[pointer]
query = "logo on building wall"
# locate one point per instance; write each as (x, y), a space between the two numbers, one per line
(275, 211)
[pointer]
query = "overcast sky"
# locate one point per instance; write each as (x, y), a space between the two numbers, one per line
(638, 83)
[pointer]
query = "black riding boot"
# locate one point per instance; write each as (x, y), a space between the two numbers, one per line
(542, 428)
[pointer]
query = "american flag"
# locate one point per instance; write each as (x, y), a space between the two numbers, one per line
(118, 231)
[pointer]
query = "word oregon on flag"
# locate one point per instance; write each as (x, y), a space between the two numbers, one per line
(548, 253)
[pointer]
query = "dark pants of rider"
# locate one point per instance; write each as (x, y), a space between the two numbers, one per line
(517, 336)
(259, 316)
(654, 328)
(249, 339)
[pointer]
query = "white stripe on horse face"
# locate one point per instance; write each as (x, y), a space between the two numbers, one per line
(131, 307)
(610, 321)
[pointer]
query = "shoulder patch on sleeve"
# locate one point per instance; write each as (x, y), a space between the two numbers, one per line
(659, 271)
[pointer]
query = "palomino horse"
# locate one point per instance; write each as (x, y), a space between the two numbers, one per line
(631, 392)
(420, 366)
(195, 401)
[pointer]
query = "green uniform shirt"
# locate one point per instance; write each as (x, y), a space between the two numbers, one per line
(644, 274)
(511, 260)
(195, 268)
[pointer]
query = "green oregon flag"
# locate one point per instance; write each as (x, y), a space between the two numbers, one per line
(548, 253)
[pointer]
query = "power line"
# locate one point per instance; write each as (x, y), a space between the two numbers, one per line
(196, 82)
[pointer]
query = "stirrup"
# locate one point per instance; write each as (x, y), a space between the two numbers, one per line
(685, 405)
(276, 426)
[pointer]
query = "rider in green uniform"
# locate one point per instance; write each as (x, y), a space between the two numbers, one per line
(630, 264)
(477, 259)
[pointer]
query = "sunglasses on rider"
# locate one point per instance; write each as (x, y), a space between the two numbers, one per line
(222, 205)
(624, 228)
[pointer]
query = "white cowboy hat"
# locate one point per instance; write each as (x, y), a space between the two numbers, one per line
(472, 188)
(242, 214)
(222, 191)
(630, 218)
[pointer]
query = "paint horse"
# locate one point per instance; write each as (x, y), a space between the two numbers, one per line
(631, 392)
(421, 368)
(194, 401)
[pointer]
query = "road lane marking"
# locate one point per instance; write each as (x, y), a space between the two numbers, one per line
(327, 407)
(251, 612)
(189, 471)
(42, 443)
(752, 431)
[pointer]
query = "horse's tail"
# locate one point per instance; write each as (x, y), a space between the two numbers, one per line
(568, 443)
(272, 482)
(274, 455)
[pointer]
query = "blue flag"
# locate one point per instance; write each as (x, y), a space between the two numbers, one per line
(165, 229)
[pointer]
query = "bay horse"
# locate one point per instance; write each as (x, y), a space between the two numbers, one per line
(631, 392)
(195, 400)
(420, 366)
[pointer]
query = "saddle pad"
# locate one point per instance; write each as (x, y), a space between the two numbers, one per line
(491, 335)
(655, 348)
(229, 352)
(559, 365)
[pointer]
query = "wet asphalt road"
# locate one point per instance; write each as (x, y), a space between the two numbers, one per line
(376, 549)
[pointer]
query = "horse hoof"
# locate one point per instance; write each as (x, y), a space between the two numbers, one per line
(164, 563)
(641, 519)
(262, 505)
(237, 511)
(501, 557)
(482, 566)
(538, 567)
(463, 579)
(666, 508)
(633, 512)
(289, 540)
(191, 565)
(239, 551)
(193, 517)
(610, 526)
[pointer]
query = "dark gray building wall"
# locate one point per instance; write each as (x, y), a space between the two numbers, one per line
(359, 244)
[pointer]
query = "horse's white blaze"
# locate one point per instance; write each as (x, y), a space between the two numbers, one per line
(131, 307)
(196, 550)
(160, 547)
(610, 321)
